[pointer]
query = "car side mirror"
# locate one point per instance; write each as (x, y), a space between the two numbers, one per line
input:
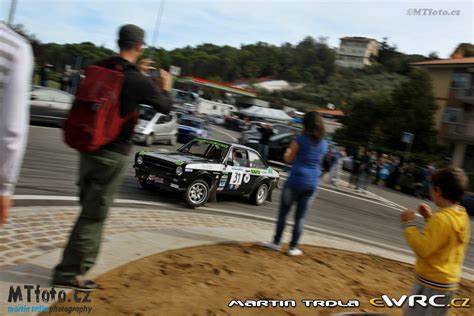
(33, 97)
(230, 163)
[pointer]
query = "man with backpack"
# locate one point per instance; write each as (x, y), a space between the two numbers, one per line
(100, 126)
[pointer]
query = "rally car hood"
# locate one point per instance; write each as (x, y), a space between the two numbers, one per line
(178, 157)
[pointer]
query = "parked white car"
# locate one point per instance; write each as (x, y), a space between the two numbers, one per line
(48, 105)
(216, 119)
(153, 127)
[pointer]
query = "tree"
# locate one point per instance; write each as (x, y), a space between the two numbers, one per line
(363, 120)
(463, 50)
(433, 55)
(412, 110)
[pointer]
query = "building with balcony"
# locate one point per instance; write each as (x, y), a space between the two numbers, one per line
(453, 83)
(357, 52)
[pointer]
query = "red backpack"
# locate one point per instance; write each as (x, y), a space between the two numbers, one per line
(95, 119)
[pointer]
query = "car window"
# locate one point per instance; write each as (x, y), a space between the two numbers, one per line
(240, 157)
(207, 149)
(163, 119)
(190, 122)
(196, 148)
(255, 161)
(146, 113)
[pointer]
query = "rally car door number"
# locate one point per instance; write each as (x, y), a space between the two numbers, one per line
(236, 178)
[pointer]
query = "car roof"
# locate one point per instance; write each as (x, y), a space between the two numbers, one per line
(243, 147)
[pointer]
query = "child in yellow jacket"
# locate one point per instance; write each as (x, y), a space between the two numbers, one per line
(441, 247)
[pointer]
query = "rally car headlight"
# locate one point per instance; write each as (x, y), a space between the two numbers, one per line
(139, 160)
(179, 171)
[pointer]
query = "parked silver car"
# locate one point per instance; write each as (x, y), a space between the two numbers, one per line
(155, 127)
(49, 105)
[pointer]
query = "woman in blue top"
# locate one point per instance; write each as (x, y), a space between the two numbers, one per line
(306, 154)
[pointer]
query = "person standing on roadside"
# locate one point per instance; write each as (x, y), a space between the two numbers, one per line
(441, 247)
(44, 75)
(336, 168)
(16, 70)
(306, 154)
(266, 132)
(354, 179)
(100, 171)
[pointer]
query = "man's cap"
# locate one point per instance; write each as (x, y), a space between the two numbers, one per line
(131, 33)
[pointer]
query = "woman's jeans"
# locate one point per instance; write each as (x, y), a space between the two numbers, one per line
(290, 196)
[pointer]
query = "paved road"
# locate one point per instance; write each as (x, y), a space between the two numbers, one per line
(50, 169)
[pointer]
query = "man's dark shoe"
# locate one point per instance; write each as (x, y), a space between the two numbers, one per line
(74, 283)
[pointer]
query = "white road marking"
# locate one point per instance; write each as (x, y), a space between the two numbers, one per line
(385, 202)
(389, 205)
(225, 133)
(45, 127)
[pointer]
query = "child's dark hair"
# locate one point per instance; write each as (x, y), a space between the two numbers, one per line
(452, 182)
(313, 126)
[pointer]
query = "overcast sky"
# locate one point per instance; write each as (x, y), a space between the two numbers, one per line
(236, 22)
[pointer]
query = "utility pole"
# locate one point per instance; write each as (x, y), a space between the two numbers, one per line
(12, 12)
(156, 30)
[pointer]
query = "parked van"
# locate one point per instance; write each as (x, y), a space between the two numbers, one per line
(153, 127)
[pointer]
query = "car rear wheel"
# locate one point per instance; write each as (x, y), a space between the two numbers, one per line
(259, 196)
(197, 193)
(149, 140)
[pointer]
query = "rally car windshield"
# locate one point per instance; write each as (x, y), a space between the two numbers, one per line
(206, 149)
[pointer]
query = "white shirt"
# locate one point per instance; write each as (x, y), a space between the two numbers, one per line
(16, 69)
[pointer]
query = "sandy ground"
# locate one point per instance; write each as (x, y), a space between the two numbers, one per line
(204, 280)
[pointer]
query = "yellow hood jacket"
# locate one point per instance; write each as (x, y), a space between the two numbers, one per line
(440, 248)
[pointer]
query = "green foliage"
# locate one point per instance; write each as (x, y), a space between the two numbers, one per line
(463, 50)
(377, 118)
(395, 61)
(413, 111)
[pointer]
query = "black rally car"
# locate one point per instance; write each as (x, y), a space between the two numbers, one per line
(204, 167)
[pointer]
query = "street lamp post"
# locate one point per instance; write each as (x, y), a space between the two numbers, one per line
(156, 30)
(12, 12)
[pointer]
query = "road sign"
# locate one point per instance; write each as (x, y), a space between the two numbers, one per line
(407, 137)
(175, 71)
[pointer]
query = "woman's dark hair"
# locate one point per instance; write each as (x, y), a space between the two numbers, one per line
(313, 126)
(452, 182)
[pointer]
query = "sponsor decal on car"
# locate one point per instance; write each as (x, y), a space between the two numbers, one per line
(255, 171)
(247, 178)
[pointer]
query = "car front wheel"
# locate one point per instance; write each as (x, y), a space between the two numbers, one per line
(197, 193)
(174, 140)
(149, 140)
(260, 195)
